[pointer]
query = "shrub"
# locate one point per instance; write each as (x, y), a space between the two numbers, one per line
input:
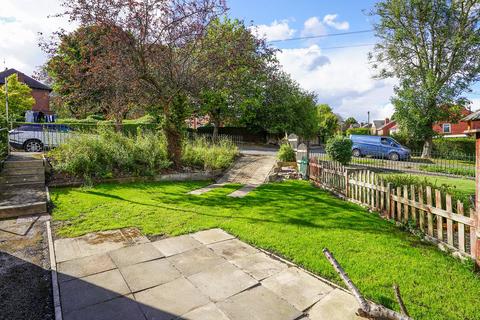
(109, 153)
(459, 171)
(200, 153)
(286, 153)
(454, 148)
(362, 131)
(339, 149)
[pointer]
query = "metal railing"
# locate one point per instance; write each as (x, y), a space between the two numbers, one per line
(209, 137)
(438, 164)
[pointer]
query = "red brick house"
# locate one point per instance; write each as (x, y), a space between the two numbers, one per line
(383, 127)
(454, 129)
(40, 92)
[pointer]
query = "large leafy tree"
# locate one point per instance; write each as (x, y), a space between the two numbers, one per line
(328, 122)
(234, 62)
(161, 40)
(282, 107)
(19, 98)
(433, 48)
(92, 74)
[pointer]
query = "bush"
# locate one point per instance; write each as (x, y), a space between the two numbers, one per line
(361, 131)
(109, 153)
(200, 153)
(339, 149)
(286, 153)
(459, 171)
(454, 148)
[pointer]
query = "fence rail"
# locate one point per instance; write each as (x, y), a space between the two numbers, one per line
(439, 164)
(429, 211)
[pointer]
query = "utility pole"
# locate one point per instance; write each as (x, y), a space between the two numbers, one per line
(6, 113)
(368, 117)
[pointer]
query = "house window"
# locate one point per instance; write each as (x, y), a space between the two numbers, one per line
(446, 128)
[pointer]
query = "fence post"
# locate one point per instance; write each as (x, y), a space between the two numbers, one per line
(347, 186)
(388, 199)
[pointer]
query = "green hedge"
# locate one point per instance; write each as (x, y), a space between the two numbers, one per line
(286, 153)
(361, 131)
(452, 147)
(459, 171)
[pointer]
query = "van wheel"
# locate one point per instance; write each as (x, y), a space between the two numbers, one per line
(33, 145)
(394, 156)
(356, 153)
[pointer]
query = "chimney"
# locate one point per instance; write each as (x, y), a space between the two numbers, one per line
(387, 120)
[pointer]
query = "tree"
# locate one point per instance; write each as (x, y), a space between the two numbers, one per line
(348, 123)
(91, 74)
(160, 39)
(19, 98)
(281, 106)
(234, 62)
(433, 48)
(328, 123)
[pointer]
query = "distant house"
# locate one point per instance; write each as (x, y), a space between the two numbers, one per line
(40, 92)
(453, 129)
(383, 127)
(472, 122)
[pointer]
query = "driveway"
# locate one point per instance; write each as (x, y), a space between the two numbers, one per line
(205, 275)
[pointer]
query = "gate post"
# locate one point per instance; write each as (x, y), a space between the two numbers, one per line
(477, 198)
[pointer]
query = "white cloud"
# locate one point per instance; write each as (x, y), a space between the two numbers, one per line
(313, 27)
(20, 22)
(344, 80)
(277, 30)
(330, 20)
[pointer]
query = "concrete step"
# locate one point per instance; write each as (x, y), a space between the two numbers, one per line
(23, 164)
(23, 209)
(22, 171)
(22, 179)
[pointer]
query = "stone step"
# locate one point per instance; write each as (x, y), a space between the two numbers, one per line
(23, 209)
(22, 171)
(22, 179)
(23, 164)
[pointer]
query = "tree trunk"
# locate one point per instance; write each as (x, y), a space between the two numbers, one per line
(118, 124)
(427, 148)
(216, 124)
(174, 144)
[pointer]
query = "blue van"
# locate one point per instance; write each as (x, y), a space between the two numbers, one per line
(378, 147)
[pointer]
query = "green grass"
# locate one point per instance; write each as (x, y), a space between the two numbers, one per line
(465, 186)
(296, 221)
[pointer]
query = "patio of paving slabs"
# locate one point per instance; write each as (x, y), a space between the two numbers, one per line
(205, 275)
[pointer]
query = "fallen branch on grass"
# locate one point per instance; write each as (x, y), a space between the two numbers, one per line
(367, 309)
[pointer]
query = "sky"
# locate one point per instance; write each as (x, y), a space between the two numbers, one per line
(341, 77)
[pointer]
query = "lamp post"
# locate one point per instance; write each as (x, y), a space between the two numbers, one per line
(6, 113)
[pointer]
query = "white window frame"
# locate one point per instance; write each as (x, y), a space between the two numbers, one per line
(449, 128)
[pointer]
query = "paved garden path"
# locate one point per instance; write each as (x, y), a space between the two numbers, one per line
(249, 170)
(208, 275)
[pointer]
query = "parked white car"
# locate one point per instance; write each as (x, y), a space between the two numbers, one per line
(38, 137)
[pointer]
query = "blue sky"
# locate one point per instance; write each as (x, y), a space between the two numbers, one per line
(340, 77)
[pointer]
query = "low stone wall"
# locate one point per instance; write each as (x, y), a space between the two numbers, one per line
(177, 176)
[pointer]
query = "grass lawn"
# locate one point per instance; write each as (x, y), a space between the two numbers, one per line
(296, 221)
(465, 186)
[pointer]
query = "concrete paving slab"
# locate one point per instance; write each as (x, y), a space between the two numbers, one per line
(337, 305)
(80, 293)
(259, 265)
(148, 274)
(195, 260)
(232, 249)
(135, 254)
(212, 236)
(207, 312)
(206, 189)
(297, 287)
(170, 300)
(82, 267)
(96, 243)
(222, 281)
(258, 303)
(176, 245)
(243, 191)
(122, 308)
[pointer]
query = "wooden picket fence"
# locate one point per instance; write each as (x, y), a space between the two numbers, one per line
(431, 212)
